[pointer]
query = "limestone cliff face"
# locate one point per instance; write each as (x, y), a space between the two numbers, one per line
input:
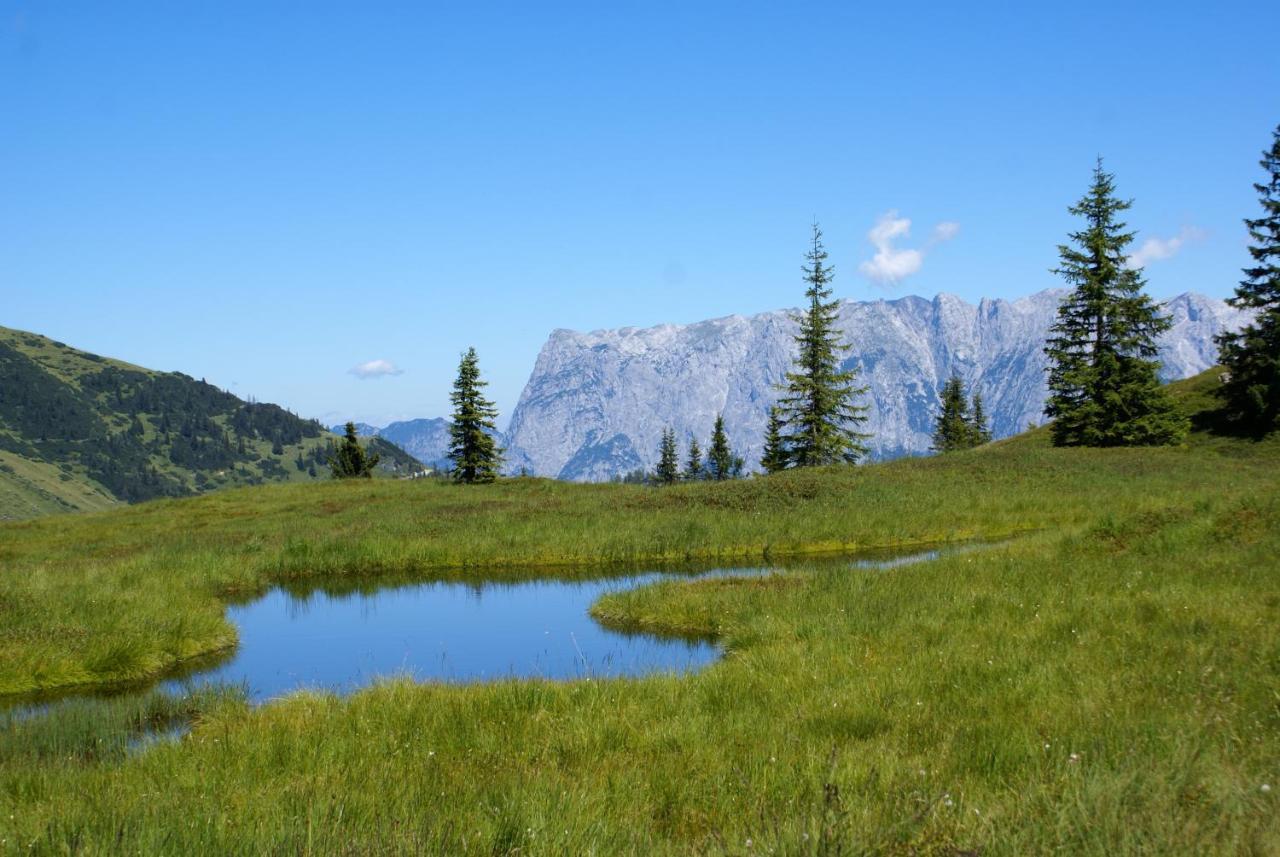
(596, 403)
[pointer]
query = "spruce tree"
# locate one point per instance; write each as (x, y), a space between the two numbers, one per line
(978, 422)
(817, 407)
(668, 462)
(954, 429)
(349, 459)
(1103, 389)
(1252, 356)
(693, 465)
(473, 452)
(720, 459)
(775, 445)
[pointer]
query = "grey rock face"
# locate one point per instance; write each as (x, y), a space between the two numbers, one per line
(596, 403)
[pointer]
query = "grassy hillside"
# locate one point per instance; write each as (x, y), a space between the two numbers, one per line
(30, 488)
(1103, 679)
(79, 432)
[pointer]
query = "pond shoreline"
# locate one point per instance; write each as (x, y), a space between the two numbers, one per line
(609, 581)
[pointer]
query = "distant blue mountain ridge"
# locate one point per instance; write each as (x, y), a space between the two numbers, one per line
(425, 439)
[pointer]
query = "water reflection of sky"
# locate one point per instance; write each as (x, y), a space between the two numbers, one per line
(453, 632)
(442, 631)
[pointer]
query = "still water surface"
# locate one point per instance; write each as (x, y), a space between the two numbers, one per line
(442, 631)
(338, 640)
(458, 633)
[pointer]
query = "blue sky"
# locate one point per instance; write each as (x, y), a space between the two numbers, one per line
(268, 195)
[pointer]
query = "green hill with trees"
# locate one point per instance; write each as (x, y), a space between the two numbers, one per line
(82, 432)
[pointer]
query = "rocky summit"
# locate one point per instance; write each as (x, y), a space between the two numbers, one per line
(596, 403)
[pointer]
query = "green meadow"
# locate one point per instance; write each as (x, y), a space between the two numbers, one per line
(1098, 673)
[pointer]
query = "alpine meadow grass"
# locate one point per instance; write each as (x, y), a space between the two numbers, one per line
(1099, 675)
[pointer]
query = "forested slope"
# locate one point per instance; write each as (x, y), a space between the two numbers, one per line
(80, 431)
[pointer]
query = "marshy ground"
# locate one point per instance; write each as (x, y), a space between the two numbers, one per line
(1104, 678)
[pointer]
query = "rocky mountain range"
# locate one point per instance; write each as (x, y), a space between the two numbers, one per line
(596, 403)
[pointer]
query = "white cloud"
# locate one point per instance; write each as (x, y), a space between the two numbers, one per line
(1156, 249)
(945, 231)
(891, 264)
(375, 369)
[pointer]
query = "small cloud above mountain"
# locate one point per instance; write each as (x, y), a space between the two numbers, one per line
(1157, 249)
(375, 369)
(891, 264)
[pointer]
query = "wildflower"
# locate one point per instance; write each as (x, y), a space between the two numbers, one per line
(1266, 787)
(1073, 758)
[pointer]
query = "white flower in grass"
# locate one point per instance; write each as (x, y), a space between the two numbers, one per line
(1266, 787)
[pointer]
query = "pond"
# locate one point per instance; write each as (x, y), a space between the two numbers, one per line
(445, 632)
(343, 639)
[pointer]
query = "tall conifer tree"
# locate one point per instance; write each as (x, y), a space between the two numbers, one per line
(1252, 356)
(720, 459)
(668, 459)
(818, 404)
(978, 419)
(954, 429)
(349, 459)
(775, 445)
(475, 455)
(1103, 389)
(693, 468)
